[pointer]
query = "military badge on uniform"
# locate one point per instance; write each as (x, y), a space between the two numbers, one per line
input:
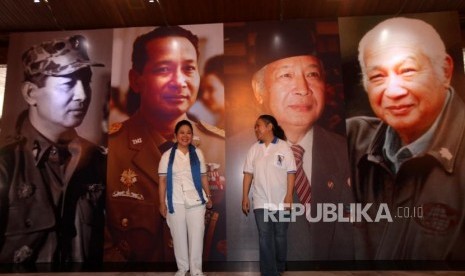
(115, 128)
(437, 218)
(22, 254)
(211, 129)
(330, 184)
(214, 179)
(25, 190)
(445, 153)
(94, 191)
(128, 178)
(137, 141)
(196, 141)
(103, 150)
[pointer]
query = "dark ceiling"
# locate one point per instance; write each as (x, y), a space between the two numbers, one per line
(25, 15)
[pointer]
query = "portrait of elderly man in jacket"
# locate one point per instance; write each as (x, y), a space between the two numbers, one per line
(411, 156)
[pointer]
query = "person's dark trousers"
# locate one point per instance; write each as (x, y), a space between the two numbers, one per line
(272, 235)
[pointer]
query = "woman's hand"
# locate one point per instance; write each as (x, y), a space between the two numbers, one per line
(163, 210)
(288, 202)
(209, 203)
(245, 205)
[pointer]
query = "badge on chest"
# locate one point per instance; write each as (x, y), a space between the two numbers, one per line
(128, 179)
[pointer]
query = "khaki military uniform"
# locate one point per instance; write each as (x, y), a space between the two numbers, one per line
(135, 229)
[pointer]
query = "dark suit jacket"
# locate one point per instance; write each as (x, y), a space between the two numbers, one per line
(329, 184)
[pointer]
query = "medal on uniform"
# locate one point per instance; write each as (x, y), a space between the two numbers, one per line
(330, 184)
(128, 178)
(196, 141)
(213, 176)
(25, 190)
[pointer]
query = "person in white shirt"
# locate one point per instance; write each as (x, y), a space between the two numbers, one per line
(291, 84)
(183, 194)
(271, 166)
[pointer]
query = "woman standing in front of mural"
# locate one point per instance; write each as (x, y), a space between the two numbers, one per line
(270, 164)
(183, 193)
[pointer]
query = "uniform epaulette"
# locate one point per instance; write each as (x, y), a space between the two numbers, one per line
(115, 127)
(103, 150)
(211, 129)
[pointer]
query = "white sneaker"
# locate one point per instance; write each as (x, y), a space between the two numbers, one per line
(180, 273)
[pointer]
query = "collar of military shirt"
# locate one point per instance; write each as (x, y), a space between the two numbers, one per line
(59, 154)
(58, 157)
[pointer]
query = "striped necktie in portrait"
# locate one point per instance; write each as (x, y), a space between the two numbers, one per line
(302, 185)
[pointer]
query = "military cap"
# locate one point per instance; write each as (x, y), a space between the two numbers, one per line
(283, 39)
(57, 57)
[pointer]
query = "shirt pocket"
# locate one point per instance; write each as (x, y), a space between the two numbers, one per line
(24, 219)
(279, 161)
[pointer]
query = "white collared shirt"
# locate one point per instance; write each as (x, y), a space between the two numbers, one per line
(269, 166)
(182, 173)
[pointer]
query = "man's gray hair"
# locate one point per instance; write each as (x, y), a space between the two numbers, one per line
(420, 33)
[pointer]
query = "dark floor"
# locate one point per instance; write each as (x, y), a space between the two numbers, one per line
(413, 268)
(290, 273)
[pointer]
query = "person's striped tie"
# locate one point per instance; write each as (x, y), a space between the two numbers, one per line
(302, 185)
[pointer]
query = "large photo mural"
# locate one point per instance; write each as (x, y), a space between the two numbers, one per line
(156, 82)
(404, 93)
(53, 156)
(162, 144)
(291, 71)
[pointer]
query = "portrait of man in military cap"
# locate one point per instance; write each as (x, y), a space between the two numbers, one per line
(161, 68)
(52, 175)
(293, 74)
